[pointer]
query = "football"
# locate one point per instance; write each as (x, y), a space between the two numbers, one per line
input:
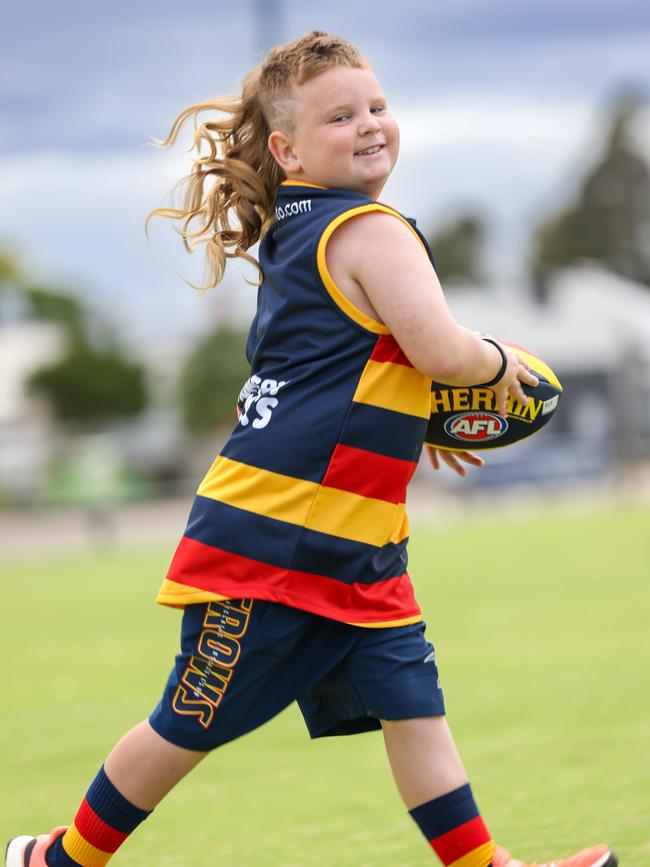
(465, 418)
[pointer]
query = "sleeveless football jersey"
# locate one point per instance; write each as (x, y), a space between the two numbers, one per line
(305, 504)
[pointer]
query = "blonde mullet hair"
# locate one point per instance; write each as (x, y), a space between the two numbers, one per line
(243, 175)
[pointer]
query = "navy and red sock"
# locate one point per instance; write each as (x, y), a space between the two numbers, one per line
(103, 822)
(451, 823)
(455, 830)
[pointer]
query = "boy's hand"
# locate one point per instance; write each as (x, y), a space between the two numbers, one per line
(453, 459)
(510, 385)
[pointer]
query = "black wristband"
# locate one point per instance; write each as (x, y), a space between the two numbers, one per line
(504, 363)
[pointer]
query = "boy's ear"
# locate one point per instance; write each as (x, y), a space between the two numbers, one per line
(281, 149)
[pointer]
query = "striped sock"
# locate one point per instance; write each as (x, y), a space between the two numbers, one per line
(453, 826)
(103, 822)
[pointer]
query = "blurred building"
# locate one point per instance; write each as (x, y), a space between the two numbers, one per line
(27, 430)
(591, 326)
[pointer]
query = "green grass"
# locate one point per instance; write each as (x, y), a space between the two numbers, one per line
(541, 628)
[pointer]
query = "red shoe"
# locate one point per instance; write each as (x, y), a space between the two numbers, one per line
(30, 851)
(597, 856)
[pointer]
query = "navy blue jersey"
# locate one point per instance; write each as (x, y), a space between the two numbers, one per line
(305, 504)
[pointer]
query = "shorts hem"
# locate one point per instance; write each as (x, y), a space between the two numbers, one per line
(322, 724)
(181, 742)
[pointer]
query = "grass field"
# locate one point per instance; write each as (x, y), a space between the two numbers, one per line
(541, 628)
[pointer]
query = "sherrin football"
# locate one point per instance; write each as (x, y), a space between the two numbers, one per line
(465, 418)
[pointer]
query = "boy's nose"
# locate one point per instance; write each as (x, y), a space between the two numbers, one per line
(369, 124)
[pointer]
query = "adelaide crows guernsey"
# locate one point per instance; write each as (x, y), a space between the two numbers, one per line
(305, 504)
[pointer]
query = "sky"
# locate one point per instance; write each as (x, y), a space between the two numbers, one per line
(500, 105)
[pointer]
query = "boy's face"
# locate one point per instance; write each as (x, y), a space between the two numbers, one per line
(344, 135)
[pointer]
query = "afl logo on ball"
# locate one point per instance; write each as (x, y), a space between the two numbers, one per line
(471, 427)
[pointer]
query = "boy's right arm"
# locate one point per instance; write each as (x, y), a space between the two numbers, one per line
(383, 258)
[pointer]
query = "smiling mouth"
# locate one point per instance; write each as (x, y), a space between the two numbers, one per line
(369, 151)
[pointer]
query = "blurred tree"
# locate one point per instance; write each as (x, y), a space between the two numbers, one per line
(9, 268)
(28, 300)
(212, 378)
(94, 381)
(458, 249)
(610, 219)
(47, 304)
(92, 385)
(13, 305)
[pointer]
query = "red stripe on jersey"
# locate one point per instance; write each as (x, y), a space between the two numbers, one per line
(95, 831)
(369, 474)
(196, 564)
(387, 349)
(461, 841)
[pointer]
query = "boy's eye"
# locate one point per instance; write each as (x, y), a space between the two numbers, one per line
(378, 108)
(338, 117)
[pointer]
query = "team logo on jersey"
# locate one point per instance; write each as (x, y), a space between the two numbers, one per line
(257, 400)
(471, 427)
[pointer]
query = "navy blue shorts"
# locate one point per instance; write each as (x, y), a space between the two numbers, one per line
(242, 661)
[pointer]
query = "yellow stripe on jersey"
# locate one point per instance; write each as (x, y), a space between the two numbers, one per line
(81, 851)
(307, 504)
(359, 518)
(177, 595)
(275, 495)
(407, 621)
(396, 387)
(337, 296)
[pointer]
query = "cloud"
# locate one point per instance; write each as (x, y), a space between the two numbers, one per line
(78, 222)
(476, 121)
(79, 215)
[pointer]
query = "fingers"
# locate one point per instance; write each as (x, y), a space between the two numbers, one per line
(524, 377)
(518, 393)
(517, 375)
(471, 458)
(453, 460)
(501, 401)
(528, 377)
(523, 372)
(453, 463)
